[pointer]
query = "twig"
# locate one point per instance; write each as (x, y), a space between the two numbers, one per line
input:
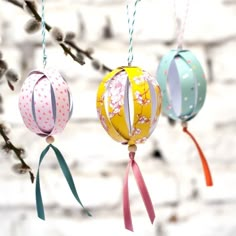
(66, 49)
(16, 3)
(30, 6)
(85, 53)
(18, 151)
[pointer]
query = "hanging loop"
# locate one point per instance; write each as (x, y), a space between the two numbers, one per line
(131, 22)
(181, 24)
(43, 25)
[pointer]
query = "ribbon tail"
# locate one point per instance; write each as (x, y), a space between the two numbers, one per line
(68, 176)
(144, 191)
(39, 201)
(205, 166)
(126, 204)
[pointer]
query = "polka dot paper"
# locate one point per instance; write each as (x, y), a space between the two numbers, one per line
(45, 102)
(183, 84)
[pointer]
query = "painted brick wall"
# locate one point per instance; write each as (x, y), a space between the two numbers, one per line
(184, 206)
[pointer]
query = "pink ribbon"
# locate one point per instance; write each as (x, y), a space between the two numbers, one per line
(143, 191)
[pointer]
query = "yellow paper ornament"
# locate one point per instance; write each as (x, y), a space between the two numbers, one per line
(121, 89)
(128, 106)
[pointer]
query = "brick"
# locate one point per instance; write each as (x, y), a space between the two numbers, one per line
(223, 63)
(197, 221)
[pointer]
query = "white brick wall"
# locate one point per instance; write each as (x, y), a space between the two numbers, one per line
(184, 206)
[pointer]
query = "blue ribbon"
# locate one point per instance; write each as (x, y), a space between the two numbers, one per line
(67, 174)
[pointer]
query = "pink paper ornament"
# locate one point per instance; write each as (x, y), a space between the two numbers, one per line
(45, 102)
(45, 105)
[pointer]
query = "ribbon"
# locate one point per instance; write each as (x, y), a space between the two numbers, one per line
(205, 166)
(67, 174)
(142, 189)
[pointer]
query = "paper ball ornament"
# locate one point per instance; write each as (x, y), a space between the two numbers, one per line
(183, 84)
(45, 105)
(45, 102)
(128, 106)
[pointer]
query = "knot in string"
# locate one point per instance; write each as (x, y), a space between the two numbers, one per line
(131, 156)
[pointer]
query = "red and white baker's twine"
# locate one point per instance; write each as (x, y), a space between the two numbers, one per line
(181, 23)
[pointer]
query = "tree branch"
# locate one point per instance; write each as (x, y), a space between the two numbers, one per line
(66, 49)
(36, 15)
(86, 53)
(18, 151)
(16, 3)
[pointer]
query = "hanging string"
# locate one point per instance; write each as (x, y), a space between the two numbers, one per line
(181, 24)
(43, 35)
(131, 30)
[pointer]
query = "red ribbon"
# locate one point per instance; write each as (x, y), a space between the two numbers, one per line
(205, 166)
(143, 191)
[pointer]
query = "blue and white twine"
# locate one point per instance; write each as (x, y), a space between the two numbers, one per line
(43, 35)
(131, 30)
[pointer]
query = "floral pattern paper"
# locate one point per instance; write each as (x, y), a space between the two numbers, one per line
(121, 90)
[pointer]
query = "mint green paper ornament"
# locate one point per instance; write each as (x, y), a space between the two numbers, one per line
(183, 84)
